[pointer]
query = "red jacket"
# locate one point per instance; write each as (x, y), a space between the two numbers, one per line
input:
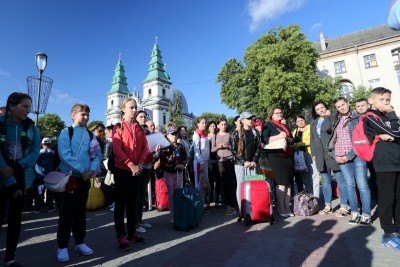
(129, 145)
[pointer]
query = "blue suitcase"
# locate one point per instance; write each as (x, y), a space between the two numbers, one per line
(188, 208)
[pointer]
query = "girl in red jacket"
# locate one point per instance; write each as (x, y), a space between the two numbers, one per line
(130, 151)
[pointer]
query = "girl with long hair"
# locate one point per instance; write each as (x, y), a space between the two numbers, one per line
(19, 150)
(130, 151)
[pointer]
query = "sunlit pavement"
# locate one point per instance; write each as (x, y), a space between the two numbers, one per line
(219, 241)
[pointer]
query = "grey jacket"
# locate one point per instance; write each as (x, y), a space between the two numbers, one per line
(319, 145)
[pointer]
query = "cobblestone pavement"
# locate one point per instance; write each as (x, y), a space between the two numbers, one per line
(218, 241)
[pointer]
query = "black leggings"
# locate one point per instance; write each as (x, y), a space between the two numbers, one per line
(12, 208)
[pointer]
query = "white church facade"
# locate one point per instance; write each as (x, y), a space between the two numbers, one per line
(158, 93)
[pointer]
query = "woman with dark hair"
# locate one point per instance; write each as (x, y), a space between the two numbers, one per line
(321, 129)
(301, 138)
(226, 165)
(281, 162)
(19, 151)
(201, 145)
(213, 176)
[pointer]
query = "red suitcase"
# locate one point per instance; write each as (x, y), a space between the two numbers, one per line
(255, 202)
(161, 195)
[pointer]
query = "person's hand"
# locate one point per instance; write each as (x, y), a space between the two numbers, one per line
(158, 147)
(386, 108)
(87, 175)
(282, 135)
(341, 160)
(386, 137)
(157, 164)
(247, 164)
(17, 194)
(135, 170)
(253, 164)
(6, 171)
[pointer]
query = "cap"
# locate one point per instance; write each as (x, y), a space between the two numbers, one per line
(172, 130)
(246, 115)
(46, 140)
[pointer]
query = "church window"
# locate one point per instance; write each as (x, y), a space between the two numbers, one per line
(164, 118)
(112, 102)
(149, 92)
(163, 92)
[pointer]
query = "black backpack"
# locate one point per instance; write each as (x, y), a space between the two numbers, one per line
(45, 161)
(56, 157)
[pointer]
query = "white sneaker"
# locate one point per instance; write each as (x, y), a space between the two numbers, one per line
(83, 249)
(141, 229)
(112, 205)
(145, 225)
(62, 255)
(112, 209)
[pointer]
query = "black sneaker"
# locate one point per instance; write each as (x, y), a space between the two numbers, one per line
(355, 219)
(137, 239)
(365, 221)
(123, 243)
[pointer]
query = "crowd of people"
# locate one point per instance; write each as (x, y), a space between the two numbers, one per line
(214, 161)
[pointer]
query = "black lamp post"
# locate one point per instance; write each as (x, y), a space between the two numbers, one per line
(41, 63)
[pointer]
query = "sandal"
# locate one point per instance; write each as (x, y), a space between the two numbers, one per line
(325, 211)
(342, 212)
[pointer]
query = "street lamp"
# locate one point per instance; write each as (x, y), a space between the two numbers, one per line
(41, 63)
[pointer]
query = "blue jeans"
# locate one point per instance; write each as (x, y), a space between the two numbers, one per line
(356, 172)
(327, 187)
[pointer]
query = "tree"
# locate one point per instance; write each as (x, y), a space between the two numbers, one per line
(175, 111)
(50, 125)
(279, 69)
(361, 92)
(209, 117)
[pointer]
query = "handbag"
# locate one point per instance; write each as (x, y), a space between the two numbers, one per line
(280, 144)
(56, 181)
(300, 162)
(96, 198)
(305, 204)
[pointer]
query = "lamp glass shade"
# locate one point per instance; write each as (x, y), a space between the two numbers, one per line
(41, 61)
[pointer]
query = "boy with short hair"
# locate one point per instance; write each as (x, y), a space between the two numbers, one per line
(386, 161)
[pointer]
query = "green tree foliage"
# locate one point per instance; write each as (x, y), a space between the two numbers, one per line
(359, 93)
(279, 70)
(175, 111)
(50, 125)
(209, 117)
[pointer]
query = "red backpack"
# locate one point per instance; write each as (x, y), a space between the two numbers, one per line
(361, 145)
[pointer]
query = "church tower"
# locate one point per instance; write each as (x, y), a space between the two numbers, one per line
(118, 92)
(157, 90)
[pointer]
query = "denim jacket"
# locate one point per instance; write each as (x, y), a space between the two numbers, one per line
(351, 155)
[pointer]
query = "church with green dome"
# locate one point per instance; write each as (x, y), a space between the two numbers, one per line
(158, 93)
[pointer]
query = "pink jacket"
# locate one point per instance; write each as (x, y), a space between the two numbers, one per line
(129, 145)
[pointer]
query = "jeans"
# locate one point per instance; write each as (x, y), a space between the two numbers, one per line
(172, 180)
(356, 172)
(327, 187)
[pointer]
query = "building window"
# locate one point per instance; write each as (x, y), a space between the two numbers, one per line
(164, 118)
(370, 61)
(149, 92)
(375, 82)
(340, 67)
(112, 102)
(345, 91)
(163, 92)
(398, 76)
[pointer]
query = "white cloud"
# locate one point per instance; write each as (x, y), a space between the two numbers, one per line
(315, 26)
(59, 97)
(4, 73)
(263, 10)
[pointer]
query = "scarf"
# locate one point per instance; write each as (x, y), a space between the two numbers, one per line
(201, 133)
(282, 126)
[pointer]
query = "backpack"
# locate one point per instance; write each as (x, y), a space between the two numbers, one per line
(45, 162)
(56, 157)
(361, 144)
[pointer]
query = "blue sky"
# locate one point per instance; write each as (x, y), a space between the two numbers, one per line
(83, 39)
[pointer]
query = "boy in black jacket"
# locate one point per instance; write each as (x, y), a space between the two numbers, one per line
(386, 161)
